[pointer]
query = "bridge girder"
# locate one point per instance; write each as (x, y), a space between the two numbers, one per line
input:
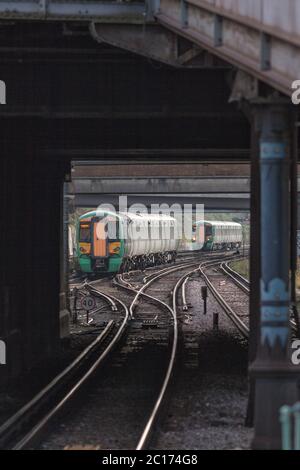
(155, 42)
(248, 36)
(211, 203)
(49, 10)
(162, 185)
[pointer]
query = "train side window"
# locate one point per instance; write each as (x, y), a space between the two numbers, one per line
(172, 231)
(111, 227)
(160, 229)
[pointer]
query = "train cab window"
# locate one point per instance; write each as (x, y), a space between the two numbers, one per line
(208, 230)
(85, 233)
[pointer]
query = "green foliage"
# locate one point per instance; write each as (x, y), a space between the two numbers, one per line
(74, 216)
(242, 267)
(239, 217)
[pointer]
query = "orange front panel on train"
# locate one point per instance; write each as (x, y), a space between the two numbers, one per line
(99, 239)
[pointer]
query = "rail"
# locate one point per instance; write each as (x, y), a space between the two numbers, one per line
(29, 423)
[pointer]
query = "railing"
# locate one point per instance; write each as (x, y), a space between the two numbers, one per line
(290, 426)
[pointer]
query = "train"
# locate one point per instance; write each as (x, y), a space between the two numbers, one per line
(216, 235)
(109, 242)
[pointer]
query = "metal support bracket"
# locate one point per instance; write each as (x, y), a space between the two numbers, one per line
(151, 41)
(218, 31)
(265, 51)
(184, 13)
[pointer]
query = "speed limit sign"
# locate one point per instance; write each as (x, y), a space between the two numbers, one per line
(88, 303)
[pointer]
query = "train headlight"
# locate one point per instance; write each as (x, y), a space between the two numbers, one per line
(114, 248)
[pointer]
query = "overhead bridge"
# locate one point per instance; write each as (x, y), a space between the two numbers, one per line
(86, 80)
(211, 202)
(216, 194)
(161, 185)
(261, 37)
(73, 10)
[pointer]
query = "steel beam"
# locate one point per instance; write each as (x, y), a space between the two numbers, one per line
(276, 378)
(248, 36)
(117, 12)
(255, 260)
(268, 52)
(294, 222)
(154, 41)
(108, 112)
(211, 202)
(162, 185)
(96, 170)
(132, 156)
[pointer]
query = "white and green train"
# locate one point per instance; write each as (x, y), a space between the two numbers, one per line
(141, 240)
(215, 235)
(135, 242)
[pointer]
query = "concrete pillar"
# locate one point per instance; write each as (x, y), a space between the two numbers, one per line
(255, 271)
(276, 378)
(10, 323)
(30, 216)
(294, 220)
(64, 313)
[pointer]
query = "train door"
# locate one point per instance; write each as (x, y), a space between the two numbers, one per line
(99, 238)
(209, 236)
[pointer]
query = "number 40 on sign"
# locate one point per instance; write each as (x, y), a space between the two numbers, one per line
(88, 303)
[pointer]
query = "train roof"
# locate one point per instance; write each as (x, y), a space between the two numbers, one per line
(142, 216)
(216, 223)
(130, 215)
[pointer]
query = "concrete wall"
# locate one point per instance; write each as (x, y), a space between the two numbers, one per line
(30, 211)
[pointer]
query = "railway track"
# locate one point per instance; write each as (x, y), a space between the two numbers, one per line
(28, 427)
(31, 422)
(212, 372)
(240, 280)
(244, 285)
(213, 274)
(172, 311)
(192, 268)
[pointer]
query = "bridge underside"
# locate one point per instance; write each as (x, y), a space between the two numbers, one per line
(78, 87)
(214, 193)
(261, 38)
(210, 202)
(68, 98)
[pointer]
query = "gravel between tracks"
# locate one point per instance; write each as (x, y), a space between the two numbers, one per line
(209, 399)
(207, 403)
(23, 389)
